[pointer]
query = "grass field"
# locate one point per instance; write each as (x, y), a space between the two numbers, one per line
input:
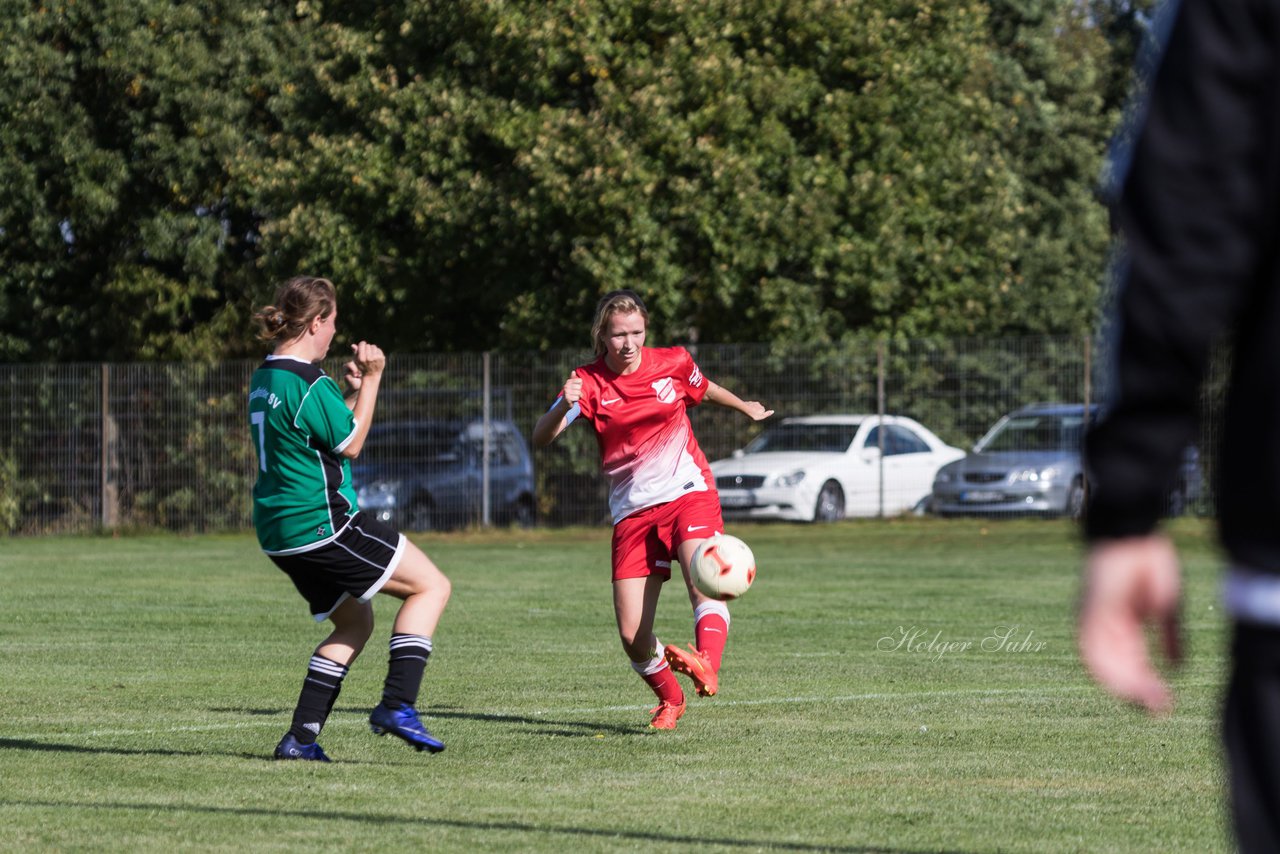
(146, 680)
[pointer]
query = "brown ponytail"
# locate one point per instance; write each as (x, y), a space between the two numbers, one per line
(298, 302)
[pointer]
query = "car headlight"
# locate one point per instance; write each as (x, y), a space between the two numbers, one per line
(382, 493)
(790, 479)
(1034, 475)
(942, 477)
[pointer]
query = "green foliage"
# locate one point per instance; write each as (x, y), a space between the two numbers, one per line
(474, 175)
(778, 172)
(119, 237)
(1049, 77)
(14, 492)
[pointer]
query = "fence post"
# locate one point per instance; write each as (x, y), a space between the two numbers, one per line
(108, 493)
(880, 414)
(486, 517)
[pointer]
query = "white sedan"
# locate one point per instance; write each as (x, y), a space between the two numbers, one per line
(819, 468)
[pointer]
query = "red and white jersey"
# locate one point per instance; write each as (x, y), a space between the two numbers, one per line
(647, 448)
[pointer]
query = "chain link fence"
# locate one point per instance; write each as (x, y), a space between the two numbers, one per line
(166, 446)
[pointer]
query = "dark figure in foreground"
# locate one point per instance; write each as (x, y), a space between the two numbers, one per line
(1198, 215)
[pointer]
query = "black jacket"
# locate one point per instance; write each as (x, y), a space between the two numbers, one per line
(1198, 217)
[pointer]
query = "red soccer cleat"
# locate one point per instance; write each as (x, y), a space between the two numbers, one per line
(665, 715)
(697, 667)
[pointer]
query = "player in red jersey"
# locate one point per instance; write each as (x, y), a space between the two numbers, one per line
(662, 496)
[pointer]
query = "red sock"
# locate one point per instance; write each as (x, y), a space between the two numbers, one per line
(664, 684)
(711, 633)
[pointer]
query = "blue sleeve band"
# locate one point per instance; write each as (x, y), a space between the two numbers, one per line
(571, 415)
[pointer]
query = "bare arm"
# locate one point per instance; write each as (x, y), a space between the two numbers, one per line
(369, 361)
(552, 423)
(753, 409)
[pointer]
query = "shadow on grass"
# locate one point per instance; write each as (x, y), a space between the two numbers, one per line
(505, 826)
(262, 713)
(59, 747)
(544, 726)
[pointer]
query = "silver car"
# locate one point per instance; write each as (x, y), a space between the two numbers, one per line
(1030, 463)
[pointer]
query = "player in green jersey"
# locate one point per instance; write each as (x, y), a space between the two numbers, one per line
(308, 523)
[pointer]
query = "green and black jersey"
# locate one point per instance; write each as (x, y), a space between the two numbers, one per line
(299, 424)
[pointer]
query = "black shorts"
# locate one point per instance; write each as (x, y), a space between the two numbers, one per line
(355, 563)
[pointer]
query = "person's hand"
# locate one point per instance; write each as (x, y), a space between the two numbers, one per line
(369, 359)
(1130, 585)
(572, 391)
(352, 376)
(755, 410)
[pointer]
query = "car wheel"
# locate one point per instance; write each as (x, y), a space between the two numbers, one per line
(924, 506)
(522, 514)
(830, 506)
(418, 516)
(1075, 500)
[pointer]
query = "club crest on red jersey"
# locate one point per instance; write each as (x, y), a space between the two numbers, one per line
(664, 389)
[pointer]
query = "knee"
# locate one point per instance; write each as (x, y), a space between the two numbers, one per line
(636, 649)
(436, 587)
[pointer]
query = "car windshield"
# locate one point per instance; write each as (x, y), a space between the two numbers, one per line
(399, 445)
(1035, 433)
(833, 438)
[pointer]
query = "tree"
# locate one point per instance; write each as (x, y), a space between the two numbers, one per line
(1050, 80)
(798, 171)
(474, 175)
(117, 235)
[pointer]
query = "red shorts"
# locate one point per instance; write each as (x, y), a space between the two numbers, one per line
(645, 542)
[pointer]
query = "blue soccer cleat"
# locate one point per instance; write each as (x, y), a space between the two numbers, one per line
(403, 723)
(290, 748)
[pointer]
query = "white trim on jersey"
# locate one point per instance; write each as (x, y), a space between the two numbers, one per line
(301, 404)
(335, 490)
(311, 546)
(347, 441)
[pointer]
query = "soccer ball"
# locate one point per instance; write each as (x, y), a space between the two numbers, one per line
(723, 567)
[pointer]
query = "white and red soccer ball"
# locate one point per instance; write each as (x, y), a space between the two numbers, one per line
(723, 567)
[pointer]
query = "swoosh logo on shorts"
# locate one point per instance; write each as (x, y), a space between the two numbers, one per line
(693, 528)
(609, 401)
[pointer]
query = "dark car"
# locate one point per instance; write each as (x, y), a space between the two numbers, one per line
(1030, 463)
(425, 475)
